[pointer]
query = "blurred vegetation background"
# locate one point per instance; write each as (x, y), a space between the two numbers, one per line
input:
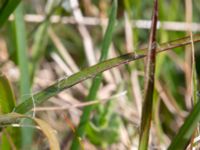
(45, 41)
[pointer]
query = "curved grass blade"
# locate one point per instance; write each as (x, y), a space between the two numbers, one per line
(7, 8)
(73, 80)
(149, 84)
(11, 118)
(97, 80)
(92, 71)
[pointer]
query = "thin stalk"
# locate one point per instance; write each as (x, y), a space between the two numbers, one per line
(149, 84)
(21, 47)
(38, 49)
(97, 80)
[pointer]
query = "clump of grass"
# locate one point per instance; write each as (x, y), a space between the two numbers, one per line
(166, 81)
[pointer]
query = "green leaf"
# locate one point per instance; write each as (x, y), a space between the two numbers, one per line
(38, 49)
(7, 100)
(92, 71)
(22, 58)
(183, 136)
(7, 8)
(21, 47)
(11, 118)
(7, 104)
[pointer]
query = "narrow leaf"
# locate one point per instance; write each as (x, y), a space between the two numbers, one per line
(92, 71)
(184, 134)
(22, 58)
(149, 83)
(49, 133)
(7, 101)
(7, 104)
(21, 47)
(38, 48)
(45, 128)
(7, 8)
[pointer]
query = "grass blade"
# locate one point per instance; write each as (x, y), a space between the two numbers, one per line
(149, 85)
(97, 80)
(92, 71)
(183, 136)
(188, 130)
(7, 8)
(10, 118)
(7, 104)
(7, 100)
(22, 58)
(21, 47)
(75, 79)
(38, 49)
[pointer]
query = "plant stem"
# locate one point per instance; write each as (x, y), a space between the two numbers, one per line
(97, 80)
(149, 83)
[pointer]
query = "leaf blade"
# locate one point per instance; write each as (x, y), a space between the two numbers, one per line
(92, 71)
(7, 100)
(149, 83)
(10, 118)
(7, 9)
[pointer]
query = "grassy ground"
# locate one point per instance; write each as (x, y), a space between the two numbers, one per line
(47, 49)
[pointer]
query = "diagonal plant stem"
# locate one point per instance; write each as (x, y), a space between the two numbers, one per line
(92, 71)
(149, 83)
(97, 80)
(182, 138)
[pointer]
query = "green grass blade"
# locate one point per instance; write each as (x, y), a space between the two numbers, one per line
(44, 127)
(7, 100)
(74, 79)
(38, 49)
(149, 84)
(7, 104)
(22, 58)
(7, 8)
(94, 70)
(41, 37)
(21, 47)
(97, 80)
(183, 136)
